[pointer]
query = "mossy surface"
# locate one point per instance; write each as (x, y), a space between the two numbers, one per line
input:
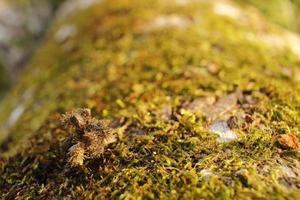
(4, 81)
(282, 12)
(142, 62)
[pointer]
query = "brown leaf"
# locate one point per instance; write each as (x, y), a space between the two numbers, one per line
(224, 105)
(212, 109)
(200, 104)
(288, 141)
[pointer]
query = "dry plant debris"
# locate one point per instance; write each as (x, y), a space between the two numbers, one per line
(289, 141)
(211, 108)
(89, 138)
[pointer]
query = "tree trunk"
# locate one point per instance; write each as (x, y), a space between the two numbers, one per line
(202, 96)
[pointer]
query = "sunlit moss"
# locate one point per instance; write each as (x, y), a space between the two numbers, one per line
(282, 12)
(125, 71)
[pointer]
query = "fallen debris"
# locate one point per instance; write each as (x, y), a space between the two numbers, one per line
(90, 136)
(233, 122)
(213, 109)
(288, 141)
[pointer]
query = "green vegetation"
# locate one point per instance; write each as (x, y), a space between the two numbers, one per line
(153, 67)
(282, 12)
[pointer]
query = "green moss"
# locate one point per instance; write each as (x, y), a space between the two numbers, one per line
(125, 71)
(282, 12)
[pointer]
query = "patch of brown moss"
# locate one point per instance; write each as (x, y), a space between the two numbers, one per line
(89, 138)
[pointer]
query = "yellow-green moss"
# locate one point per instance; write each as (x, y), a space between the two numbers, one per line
(282, 12)
(123, 66)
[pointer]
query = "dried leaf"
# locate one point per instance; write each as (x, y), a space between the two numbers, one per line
(212, 109)
(223, 105)
(288, 141)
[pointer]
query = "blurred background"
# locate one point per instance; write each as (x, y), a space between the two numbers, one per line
(23, 23)
(22, 26)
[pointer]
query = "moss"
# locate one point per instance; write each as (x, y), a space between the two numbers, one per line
(123, 71)
(282, 12)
